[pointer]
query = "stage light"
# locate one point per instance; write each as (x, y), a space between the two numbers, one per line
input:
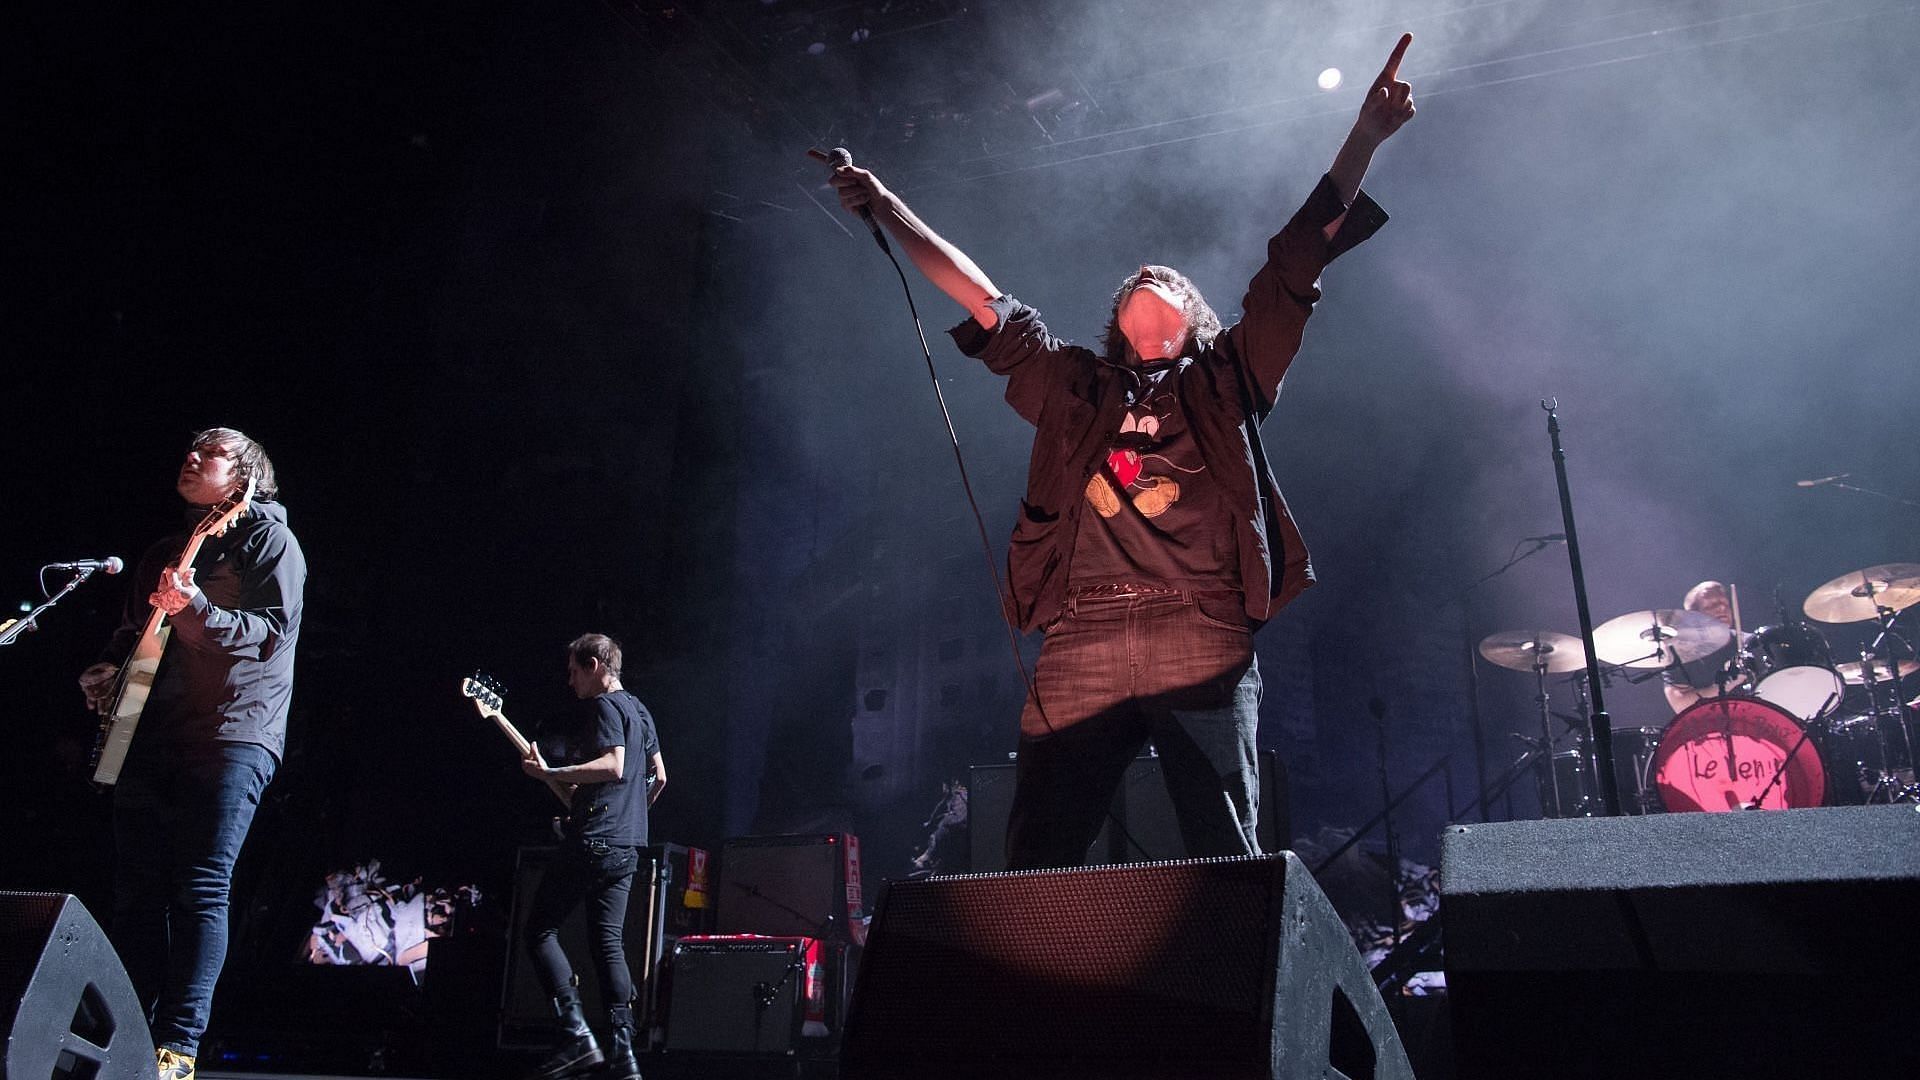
(1330, 79)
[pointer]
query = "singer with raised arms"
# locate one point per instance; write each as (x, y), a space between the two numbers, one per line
(210, 733)
(1152, 540)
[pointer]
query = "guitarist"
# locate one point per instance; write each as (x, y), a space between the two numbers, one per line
(208, 739)
(611, 753)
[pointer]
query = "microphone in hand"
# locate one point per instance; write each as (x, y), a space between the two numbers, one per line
(841, 158)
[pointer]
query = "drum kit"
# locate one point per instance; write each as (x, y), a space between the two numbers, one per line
(1774, 722)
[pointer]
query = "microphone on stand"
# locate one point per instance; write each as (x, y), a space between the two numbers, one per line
(110, 565)
(1550, 538)
(1822, 480)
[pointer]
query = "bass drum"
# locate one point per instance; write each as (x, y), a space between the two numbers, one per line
(1723, 753)
(1792, 667)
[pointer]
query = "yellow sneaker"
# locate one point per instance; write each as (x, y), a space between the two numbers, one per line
(174, 1065)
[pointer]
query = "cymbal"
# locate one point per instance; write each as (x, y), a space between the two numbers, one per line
(1851, 671)
(1846, 598)
(1657, 639)
(1521, 649)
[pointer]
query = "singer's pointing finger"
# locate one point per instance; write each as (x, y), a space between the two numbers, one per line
(1392, 70)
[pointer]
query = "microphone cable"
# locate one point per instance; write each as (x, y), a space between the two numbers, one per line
(1002, 592)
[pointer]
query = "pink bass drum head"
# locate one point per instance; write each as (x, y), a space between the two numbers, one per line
(1723, 753)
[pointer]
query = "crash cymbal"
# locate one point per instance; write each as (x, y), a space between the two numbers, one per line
(1521, 649)
(1855, 595)
(1657, 639)
(1851, 671)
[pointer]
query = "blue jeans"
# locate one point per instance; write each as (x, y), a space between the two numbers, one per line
(601, 876)
(180, 815)
(1114, 673)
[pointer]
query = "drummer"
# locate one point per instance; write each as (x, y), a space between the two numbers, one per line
(1712, 675)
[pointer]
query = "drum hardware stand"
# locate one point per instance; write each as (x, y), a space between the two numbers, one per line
(1891, 714)
(1601, 723)
(1465, 597)
(1546, 735)
(1378, 708)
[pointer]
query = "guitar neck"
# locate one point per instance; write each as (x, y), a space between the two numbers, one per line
(563, 792)
(512, 733)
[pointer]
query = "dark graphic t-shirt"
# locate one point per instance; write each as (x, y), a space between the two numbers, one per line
(616, 811)
(1155, 515)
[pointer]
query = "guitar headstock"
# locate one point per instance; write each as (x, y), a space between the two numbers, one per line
(222, 517)
(485, 690)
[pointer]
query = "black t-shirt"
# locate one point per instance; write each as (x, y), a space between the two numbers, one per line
(616, 811)
(1155, 515)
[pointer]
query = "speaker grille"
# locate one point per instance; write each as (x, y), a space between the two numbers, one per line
(1151, 962)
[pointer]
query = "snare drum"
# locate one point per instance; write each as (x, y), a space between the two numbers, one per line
(1792, 667)
(1722, 753)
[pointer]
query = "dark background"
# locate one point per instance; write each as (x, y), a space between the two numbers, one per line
(550, 327)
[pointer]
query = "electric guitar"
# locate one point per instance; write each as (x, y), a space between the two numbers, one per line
(132, 686)
(487, 698)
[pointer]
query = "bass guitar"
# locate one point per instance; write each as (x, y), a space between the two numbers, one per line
(488, 698)
(121, 715)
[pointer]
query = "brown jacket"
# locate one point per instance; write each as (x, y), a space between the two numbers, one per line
(1076, 401)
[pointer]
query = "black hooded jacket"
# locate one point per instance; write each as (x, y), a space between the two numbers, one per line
(227, 672)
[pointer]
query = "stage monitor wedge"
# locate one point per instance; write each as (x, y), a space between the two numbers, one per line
(1230, 969)
(66, 1005)
(1771, 943)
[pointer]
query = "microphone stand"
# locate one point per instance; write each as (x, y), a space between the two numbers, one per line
(1601, 723)
(11, 630)
(1843, 486)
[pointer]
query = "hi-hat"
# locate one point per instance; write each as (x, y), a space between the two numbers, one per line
(1660, 638)
(1853, 672)
(1857, 595)
(1523, 650)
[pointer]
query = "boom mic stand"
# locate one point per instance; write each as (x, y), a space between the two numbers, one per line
(1600, 724)
(11, 630)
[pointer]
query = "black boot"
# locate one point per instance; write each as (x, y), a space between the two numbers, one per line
(621, 1062)
(577, 1053)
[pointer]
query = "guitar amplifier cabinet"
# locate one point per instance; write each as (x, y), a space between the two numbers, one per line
(805, 885)
(751, 995)
(671, 898)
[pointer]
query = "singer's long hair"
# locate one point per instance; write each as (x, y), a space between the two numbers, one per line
(1202, 324)
(250, 459)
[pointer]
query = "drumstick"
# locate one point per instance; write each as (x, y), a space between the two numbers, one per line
(1733, 597)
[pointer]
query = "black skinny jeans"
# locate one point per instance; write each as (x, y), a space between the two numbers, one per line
(601, 876)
